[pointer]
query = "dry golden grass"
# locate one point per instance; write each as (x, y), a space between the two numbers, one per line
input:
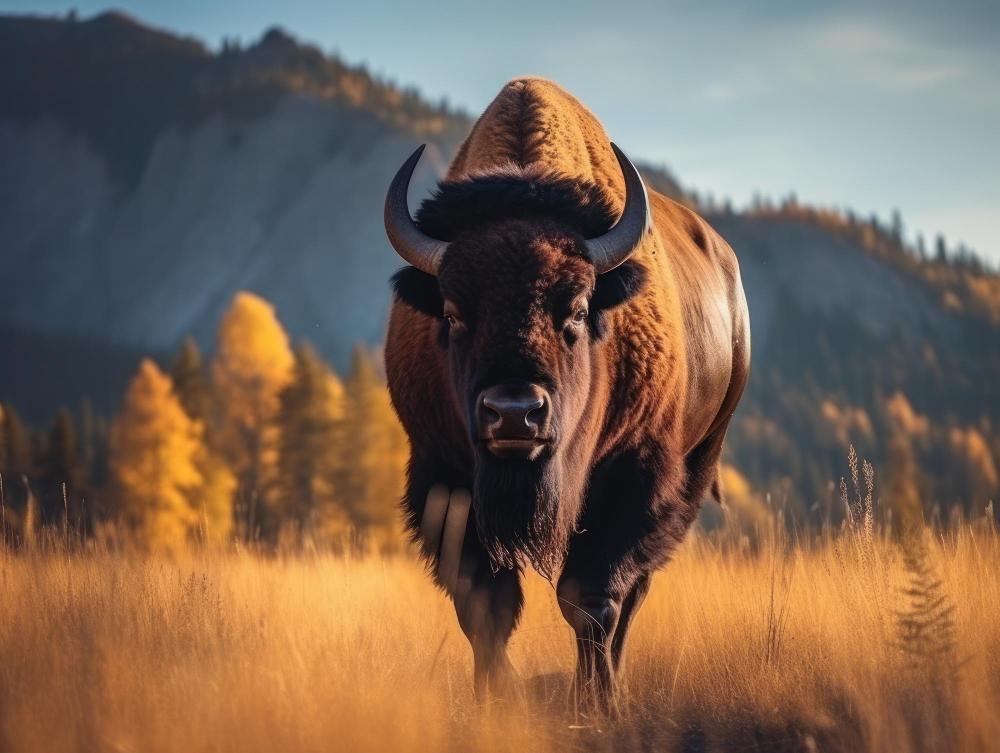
(789, 648)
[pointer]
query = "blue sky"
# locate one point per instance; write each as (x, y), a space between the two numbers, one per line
(870, 105)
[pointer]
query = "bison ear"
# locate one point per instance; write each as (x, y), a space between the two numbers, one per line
(418, 290)
(617, 286)
(613, 289)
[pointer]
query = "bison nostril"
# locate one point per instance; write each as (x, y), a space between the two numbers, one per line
(491, 415)
(536, 415)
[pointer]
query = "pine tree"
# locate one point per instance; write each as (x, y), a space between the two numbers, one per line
(16, 470)
(374, 452)
(213, 498)
(940, 250)
(311, 417)
(62, 476)
(94, 449)
(254, 363)
(190, 385)
(3, 469)
(896, 227)
(926, 625)
(15, 443)
(3, 437)
(154, 447)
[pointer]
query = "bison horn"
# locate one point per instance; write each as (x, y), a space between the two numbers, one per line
(616, 246)
(606, 251)
(420, 250)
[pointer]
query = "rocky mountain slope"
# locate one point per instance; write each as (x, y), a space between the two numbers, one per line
(146, 179)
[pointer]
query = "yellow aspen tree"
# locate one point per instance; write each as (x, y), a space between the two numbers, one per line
(252, 366)
(154, 446)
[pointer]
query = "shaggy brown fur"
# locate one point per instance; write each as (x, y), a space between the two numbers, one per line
(642, 397)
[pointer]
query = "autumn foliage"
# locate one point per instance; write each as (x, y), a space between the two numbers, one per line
(154, 444)
(264, 445)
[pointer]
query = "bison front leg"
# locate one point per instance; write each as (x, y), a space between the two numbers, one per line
(629, 608)
(593, 608)
(625, 533)
(487, 603)
(601, 618)
(488, 606)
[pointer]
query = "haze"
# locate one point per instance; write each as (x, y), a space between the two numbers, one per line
(874, 106)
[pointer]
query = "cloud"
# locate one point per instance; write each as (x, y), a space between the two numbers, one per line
(873, 54)
(722, 92)
(823, 51)
(742, 82)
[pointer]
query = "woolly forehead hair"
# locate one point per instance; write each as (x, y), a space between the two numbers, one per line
(472, 202)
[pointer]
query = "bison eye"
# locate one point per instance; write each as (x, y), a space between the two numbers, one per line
(455, 325)
(451, 315)
(580, 316)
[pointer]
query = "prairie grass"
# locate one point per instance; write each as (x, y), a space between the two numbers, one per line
(788, 645)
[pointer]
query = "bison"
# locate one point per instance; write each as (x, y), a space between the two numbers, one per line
(565, 352)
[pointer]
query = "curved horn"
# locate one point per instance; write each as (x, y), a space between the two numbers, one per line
(615, 247)
(420, 250)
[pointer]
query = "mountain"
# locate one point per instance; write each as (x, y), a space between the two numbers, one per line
(856, 340)
(146, 179)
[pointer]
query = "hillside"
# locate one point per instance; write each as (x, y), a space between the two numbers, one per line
(146, 179)
(873, 349)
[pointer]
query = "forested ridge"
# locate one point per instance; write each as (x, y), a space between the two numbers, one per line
(151, 181)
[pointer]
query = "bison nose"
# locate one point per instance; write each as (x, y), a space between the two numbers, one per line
(513, 412)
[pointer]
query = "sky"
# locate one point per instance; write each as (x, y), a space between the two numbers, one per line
(875, 106)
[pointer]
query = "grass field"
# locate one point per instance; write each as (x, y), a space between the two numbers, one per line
(792, 646)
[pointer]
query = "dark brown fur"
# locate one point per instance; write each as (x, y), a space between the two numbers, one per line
(642, 394)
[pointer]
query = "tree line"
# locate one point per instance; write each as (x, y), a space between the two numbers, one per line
(265, 443)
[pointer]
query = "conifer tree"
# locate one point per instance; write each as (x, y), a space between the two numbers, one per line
(93, 438)
(3, 437)
(154, 447)
(374, 451)
(896, 227)
(940, 249)
(62, 476)
(253, 364)
(16, 470)
(213, 498)
(6, 528)
(190, 384)
(15, 443)
(311, 417)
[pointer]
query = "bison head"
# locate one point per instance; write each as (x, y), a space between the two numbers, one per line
(520, 270)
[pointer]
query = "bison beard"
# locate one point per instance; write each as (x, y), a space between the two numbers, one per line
(518, 513)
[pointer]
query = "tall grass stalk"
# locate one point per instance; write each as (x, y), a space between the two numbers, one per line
(798, 644)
